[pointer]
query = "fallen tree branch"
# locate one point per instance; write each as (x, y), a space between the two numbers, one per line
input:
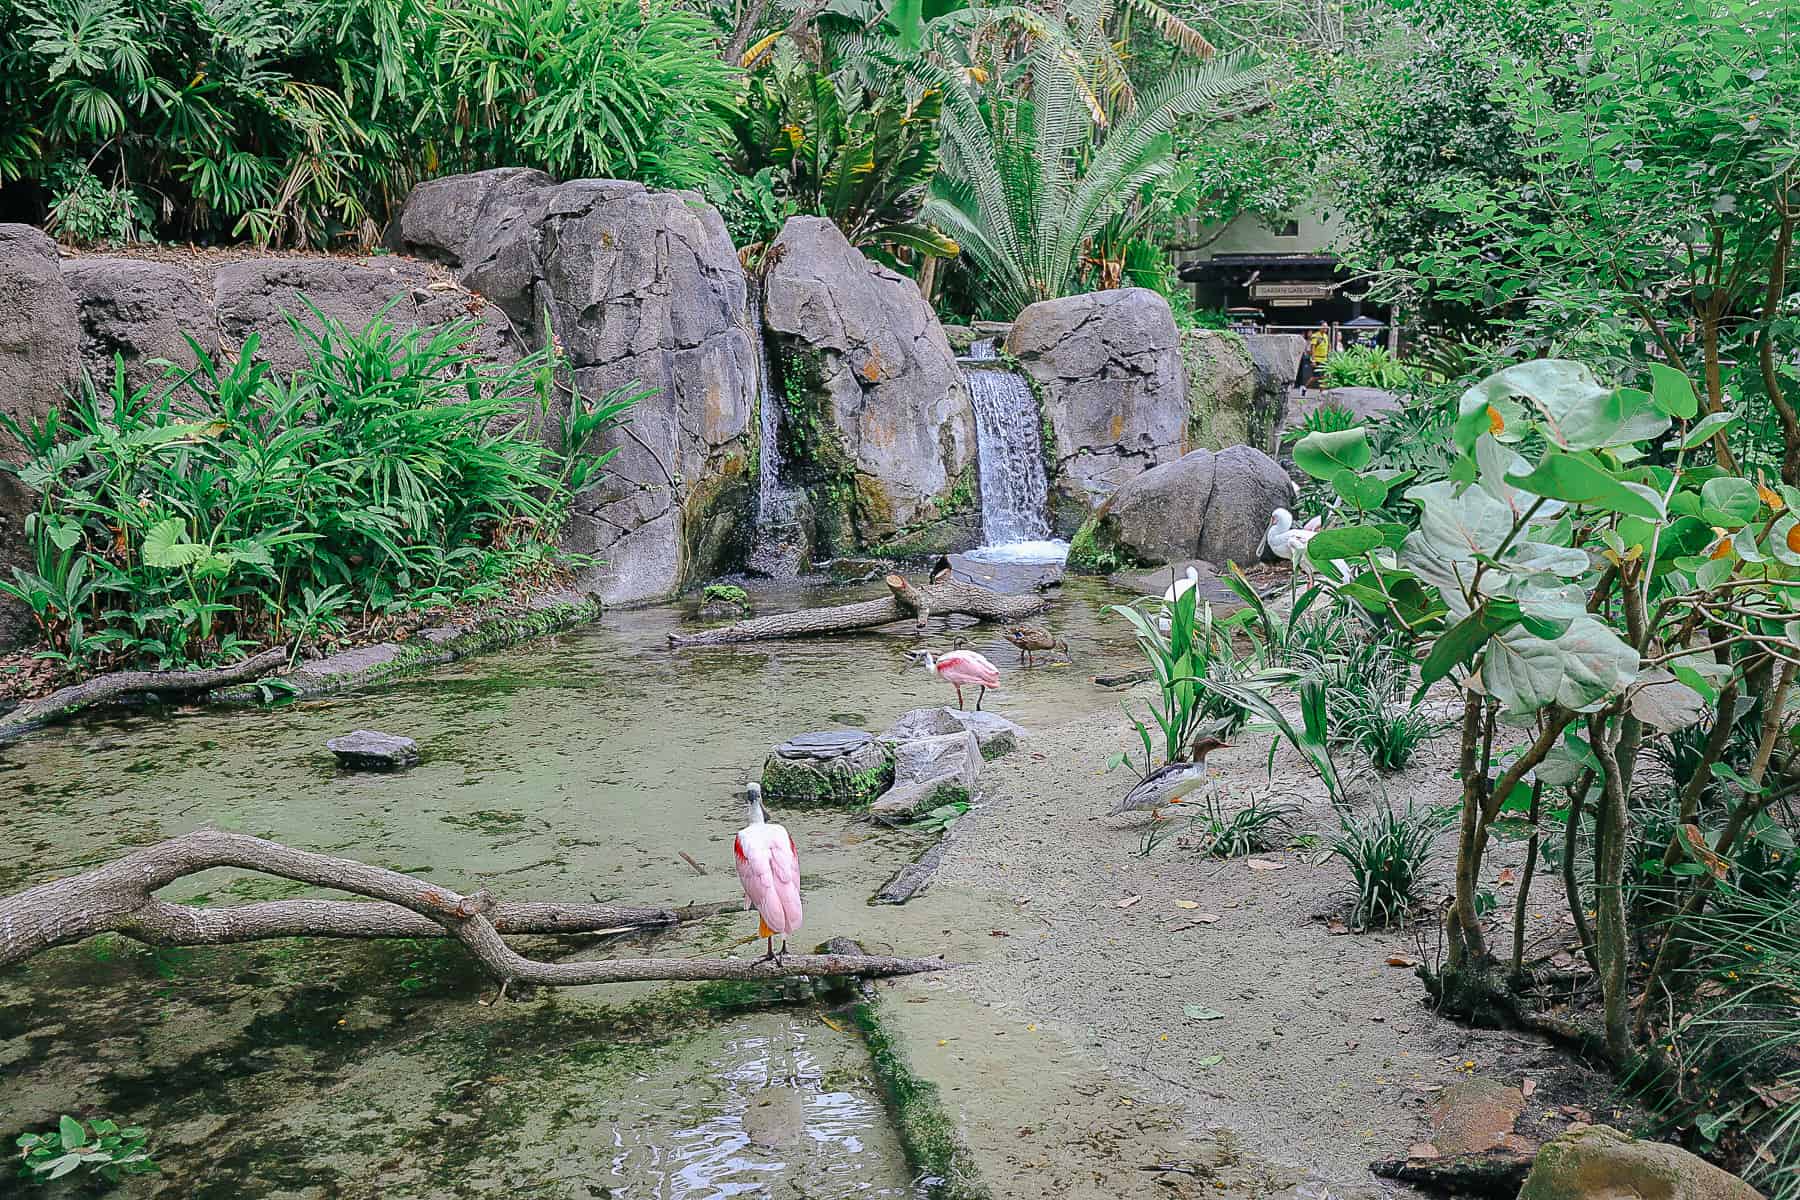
(103, 689)
(119, 898)
(920, 601)
(1491, 1173)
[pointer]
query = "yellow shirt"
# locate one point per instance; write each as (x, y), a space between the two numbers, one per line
(1320, 342)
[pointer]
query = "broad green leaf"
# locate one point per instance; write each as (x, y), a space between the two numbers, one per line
(1672, 391)
(1350, 541)
(1359, 491)
(1587, 665)
(1663, 702)
(1463, 640)
(71, 1132)
(1565, 400)
(1460, 526)
(1326, 452)
(1541, 558)
(1707, 426)
(1568, 477)
(166, 545)
(1198, 1012)
(1729, 501)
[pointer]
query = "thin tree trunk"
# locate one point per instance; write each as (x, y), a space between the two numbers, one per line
(1612, 933)
(119, 898)
(1765, 352)
(1467, 946)
(918, 601)
(1519, 906)
(1571, 879)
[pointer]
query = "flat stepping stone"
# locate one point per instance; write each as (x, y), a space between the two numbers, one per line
(828, 743)
(372, 750)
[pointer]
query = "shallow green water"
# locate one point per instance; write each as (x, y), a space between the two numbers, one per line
(584, 764)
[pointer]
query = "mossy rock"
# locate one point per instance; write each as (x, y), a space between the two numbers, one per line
(851, 779)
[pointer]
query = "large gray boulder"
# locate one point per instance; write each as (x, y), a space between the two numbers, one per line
(40, 342)
(259, 295)
(136, 312)
(1108, 366)
(1276, 357)
(1203, 505)
(1597, 1162)
(641, 288)
(877, 421)
(1222, 392)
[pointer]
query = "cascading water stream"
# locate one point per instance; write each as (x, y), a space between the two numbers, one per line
(1010, 448)
(776, 550)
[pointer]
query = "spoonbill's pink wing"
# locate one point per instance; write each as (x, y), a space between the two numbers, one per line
(966, 666)
(769, 868)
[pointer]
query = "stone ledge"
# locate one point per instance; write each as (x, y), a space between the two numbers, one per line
(361, 666)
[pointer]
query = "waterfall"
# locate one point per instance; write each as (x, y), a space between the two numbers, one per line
(984, 350)
(1010, 447)
(778, 549)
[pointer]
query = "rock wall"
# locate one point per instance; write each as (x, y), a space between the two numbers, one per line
(1222, 393)
(1108, 366)
(639, 286)
(876, 419)
(39, 356)
(1276, 357)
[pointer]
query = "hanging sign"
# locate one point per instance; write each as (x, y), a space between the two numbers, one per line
(1292, 291)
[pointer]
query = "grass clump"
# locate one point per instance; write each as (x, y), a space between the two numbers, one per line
(1257, 828)
(1386, 853)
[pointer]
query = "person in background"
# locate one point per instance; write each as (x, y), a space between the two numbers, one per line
(1318, 349)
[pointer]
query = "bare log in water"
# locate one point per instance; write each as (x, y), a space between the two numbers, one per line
(920, 601)
(105, 688)
(119, 898)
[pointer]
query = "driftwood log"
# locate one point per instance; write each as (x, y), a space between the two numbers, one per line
(919, 601)
(120, 898)
(1488, 1174)
(103, 689)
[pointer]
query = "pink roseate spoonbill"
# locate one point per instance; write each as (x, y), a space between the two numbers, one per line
(769, 868)
(963, 668)
(1172, 781)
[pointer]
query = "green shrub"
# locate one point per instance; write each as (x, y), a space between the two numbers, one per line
(304, 123)
(1367, 366)
(232, 507)
(100, 1146)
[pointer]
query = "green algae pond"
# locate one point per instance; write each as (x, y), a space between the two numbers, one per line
(579, 766)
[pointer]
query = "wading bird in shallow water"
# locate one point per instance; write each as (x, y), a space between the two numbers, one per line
(962, 667)
(1170, 782)
(769, 868)
(1032, 640)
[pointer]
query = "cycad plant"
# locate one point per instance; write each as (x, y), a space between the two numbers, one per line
(1030, 182)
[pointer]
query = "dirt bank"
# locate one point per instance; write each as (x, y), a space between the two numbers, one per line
(1322, 1055)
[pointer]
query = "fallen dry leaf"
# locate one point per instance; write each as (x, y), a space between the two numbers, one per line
(1421, 1150)
(1402, 960)
(1507, 876)
(1336, 928)
(1528, 1087)
(998, 933)
(1128, 901)
(1187, 904)
(1264, 864)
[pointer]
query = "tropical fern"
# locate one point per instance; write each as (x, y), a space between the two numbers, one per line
(1029, 183)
